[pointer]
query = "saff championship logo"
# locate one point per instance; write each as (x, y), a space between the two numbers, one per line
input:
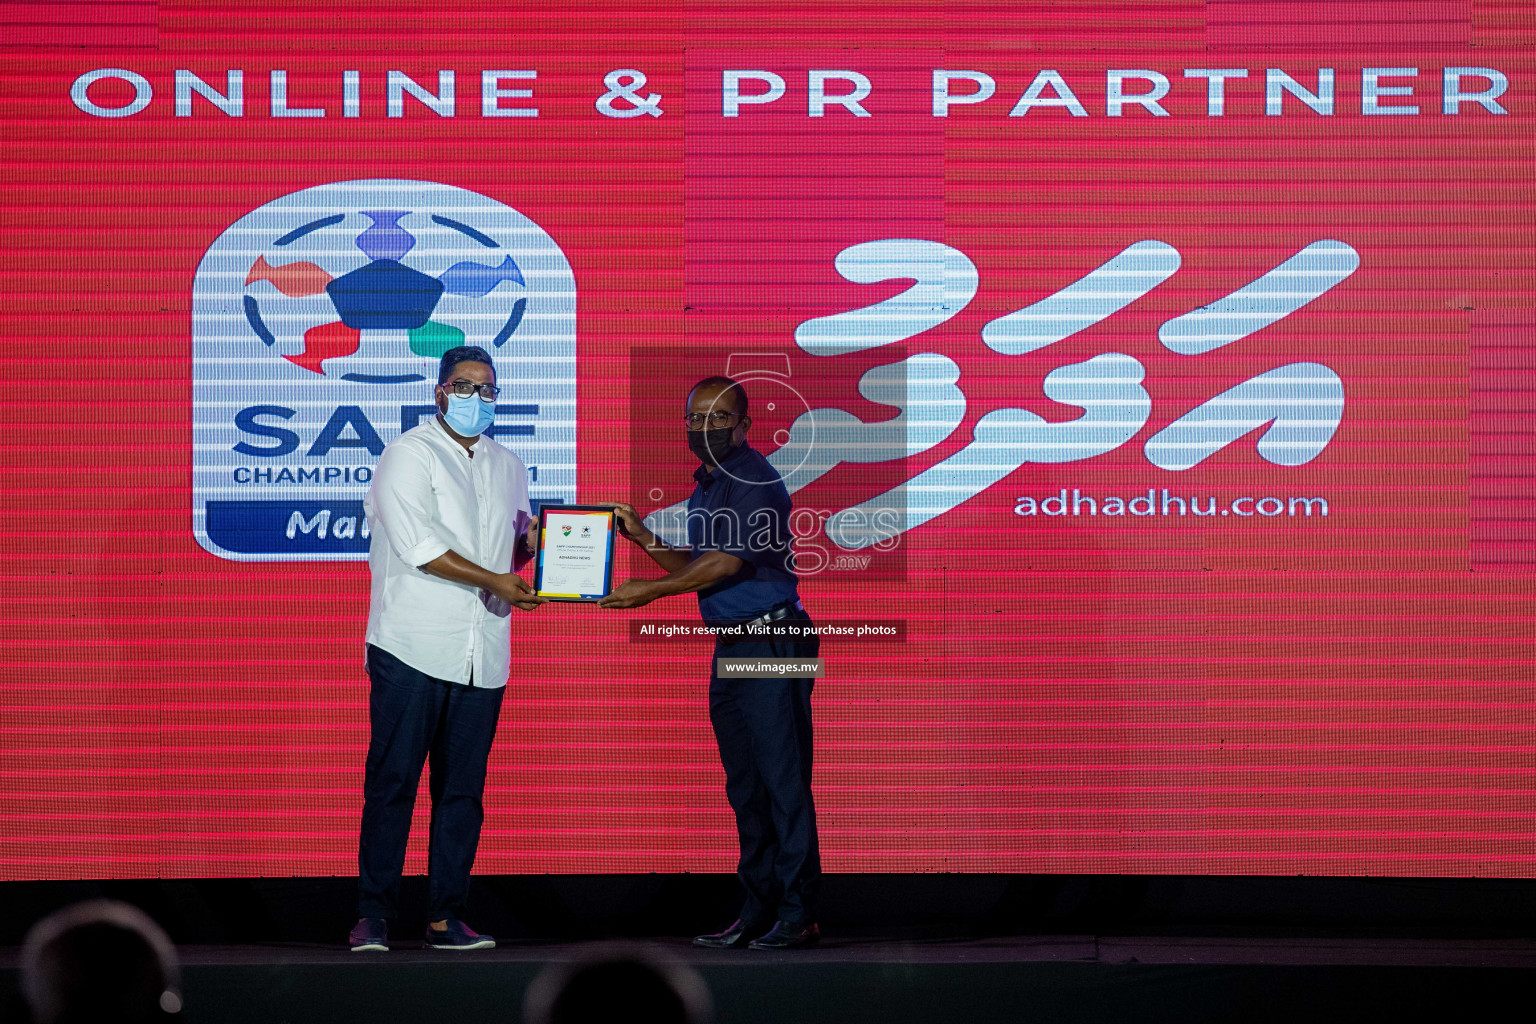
(317, 323)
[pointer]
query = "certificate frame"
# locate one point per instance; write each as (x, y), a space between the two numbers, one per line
(610, 524)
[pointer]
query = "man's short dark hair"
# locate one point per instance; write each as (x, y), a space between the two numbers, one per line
(463, 354)
(100, 961)
(728, 385)
(618, 982)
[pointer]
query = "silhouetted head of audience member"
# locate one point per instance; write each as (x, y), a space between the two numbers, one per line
(97, 962)
(618, 983)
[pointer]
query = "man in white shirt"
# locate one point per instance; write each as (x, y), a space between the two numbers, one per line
(450, 521)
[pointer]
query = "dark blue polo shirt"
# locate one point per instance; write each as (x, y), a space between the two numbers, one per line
(742, 508)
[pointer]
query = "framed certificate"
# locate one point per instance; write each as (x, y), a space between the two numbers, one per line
(575, 552)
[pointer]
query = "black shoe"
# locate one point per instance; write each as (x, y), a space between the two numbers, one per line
(734, 937)
(788, 936)
(458, 935)
(371, 934)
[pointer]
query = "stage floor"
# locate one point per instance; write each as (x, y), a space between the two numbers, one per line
(1107, 949)
(1069, 978)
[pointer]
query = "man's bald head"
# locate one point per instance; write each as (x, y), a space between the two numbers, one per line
(719, 393)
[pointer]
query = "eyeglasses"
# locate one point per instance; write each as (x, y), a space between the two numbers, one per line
(465, 388)
(717, 419)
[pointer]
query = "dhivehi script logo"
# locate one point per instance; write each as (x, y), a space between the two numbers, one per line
(1297, 405)
(317, 323)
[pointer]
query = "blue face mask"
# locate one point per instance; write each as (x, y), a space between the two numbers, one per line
(469, 416)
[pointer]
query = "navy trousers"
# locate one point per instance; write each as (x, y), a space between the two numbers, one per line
(414, 717)
(763, 727)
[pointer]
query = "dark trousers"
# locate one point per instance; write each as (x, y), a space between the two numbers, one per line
(763, 727)
(414, 716)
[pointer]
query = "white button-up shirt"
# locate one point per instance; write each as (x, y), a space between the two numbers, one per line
(429, 496)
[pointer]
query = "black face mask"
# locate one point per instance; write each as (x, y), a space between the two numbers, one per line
(712, 446)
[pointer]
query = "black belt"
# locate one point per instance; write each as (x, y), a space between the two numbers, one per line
(786, 610)
(778, 611)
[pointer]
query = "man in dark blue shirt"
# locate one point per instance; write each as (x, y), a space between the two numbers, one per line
(740, 563)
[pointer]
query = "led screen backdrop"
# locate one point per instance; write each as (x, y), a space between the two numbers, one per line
(1162, 373)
